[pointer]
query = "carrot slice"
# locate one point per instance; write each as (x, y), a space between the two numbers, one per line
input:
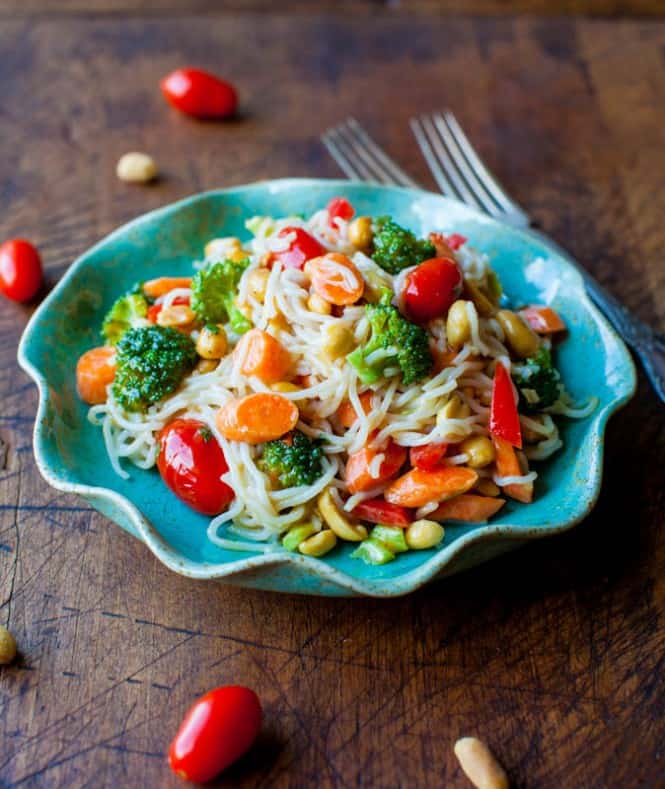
(260, 354)
(543, 320)
(257, 418)
(508, 465)
(95, 370)
(162, 285)
(417, 487)
(346, 413)
(468, 507)
(335, 279)
(357, 473)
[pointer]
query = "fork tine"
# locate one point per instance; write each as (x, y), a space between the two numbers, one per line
(466, 172)
(431, 158)
(490, 184)
(380, 155)
(347, 166)
(440, 150)
(361, 152)
(363, 169)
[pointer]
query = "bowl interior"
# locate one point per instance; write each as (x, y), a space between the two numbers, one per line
(593, 361)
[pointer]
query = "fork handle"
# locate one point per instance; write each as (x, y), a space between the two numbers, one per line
(647, 344)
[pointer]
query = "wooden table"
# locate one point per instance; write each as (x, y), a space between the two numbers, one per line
(555, 654)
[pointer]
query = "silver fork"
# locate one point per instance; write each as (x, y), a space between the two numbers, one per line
(461, 174)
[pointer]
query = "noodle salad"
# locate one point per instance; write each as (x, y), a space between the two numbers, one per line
(333, 378)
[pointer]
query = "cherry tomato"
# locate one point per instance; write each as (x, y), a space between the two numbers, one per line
(155, 309)
(504, 419)
(217, 730)
(431, 288)
(191, 463)
(199, 93)
(380, 511)
(20, 270)
(428, 456)
(339, 208)
(304, 247)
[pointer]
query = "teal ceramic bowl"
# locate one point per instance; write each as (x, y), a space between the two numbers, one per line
(70, 452)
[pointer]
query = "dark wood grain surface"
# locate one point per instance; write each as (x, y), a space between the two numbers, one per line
(555, 654)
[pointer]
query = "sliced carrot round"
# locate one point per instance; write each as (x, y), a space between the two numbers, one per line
(357, 472)
(335, 279)
(417, 488)
(95, 370)
(163, 285)
(260, 354)
(257, 418)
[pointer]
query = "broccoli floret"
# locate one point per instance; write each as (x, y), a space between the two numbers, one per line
(213, 294)
(406, 345)
(128, 312)
(294, 460)
(538, 382)
(394, 248)
(151, 362)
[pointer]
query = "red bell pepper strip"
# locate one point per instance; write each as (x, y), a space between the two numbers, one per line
(504, 419)
(304, 247)
(428, 456)
(455, 241)
(380, 511)
(339, 208)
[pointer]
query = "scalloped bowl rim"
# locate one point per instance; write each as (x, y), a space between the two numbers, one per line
(393, 587)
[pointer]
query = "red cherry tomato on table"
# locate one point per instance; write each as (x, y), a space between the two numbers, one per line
(431, 288)
(20, 270)
(339, 208)
(428, 456)
(216, 731)
(304, 247)
(191, 463)
(199, 93)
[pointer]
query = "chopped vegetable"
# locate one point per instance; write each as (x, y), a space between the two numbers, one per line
(21, 274)
(152, 361)
(468, 508)
(427, 457)
(297, 534)
(217, 729)
(154, 288)
(358, 474)
(259, 353)
(455, 241)
(302, 248)
(155, 309)
(346, 413)
(339, 208)
(394, 248)
(294, 460)
(402, 346)
(95, 370)
(391, 536)
(508, 465)
(373, 551)
(380, 511)
(335, 279)
(543, 320)
(504, 419)
(417, 488)
(214, 290)
(431, 288)
(257, 418)
(128, 312)
(199, 93)
(538, 382)
(191, 463)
